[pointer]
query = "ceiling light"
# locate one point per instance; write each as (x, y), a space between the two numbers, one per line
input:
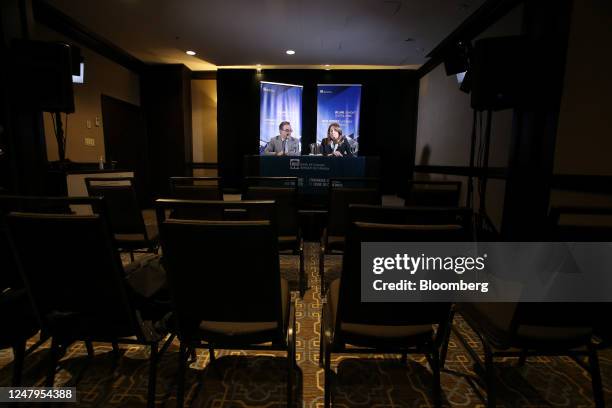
(189, 52)
(326, 65)
(290, 52)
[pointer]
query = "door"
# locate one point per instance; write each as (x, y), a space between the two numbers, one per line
(125, 142)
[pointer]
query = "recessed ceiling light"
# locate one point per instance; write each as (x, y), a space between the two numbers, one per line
(326, 65)
(189, 52)
(290, 52)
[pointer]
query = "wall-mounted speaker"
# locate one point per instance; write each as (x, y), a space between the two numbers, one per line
(41, 76)
(508, 72)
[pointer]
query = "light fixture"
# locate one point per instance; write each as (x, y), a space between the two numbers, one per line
(258, 67)
(189, 52)
(290, 52)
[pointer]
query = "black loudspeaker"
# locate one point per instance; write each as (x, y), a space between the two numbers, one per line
(504, 73)
(456, 59)
(75, 59)
(41, 76)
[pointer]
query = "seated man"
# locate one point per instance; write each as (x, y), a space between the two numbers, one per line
(283, 144)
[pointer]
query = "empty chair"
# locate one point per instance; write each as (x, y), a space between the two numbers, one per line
(227, 290)
(284, 191)
(77, 284)
(581, 224)
(342, 192)
(196, 188)
(526, 329)
(586, 224)
(17, 317)
(127, 222)
(530, 329)
(399, 328)
(433, 193)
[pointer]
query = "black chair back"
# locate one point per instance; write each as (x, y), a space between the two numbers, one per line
(283, 190)
(580, 224)
(215, 210)
(222, 271)
(413, 215)
(9, 275)
(350, 307)
(122, 205)
(345, 191)
(433, 193)
(572, 224)
(73, 274)
(196, 188)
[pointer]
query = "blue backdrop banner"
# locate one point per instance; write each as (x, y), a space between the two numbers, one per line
(338, 103)
(279, 102)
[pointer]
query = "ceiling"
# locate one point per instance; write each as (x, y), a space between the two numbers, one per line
(224, 33)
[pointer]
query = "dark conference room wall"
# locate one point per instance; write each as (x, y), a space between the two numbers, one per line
(445, 121)
(387, 121)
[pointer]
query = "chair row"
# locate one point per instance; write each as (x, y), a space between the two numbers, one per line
(505, 329)
(222, 266)
(430, 193)
(222, 260)
(133, 234)
(222, 269)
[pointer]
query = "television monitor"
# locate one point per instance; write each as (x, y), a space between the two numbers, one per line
(80, 77)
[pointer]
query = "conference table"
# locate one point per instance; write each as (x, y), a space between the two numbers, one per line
(313, 171)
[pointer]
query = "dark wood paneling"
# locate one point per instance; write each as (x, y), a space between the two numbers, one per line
(532, 149)
(582, 183)
(166, 99)
(125, 141)
(204, 75)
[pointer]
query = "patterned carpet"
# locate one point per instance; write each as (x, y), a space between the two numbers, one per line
(249, 379)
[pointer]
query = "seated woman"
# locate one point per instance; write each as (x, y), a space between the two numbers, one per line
(335, 144)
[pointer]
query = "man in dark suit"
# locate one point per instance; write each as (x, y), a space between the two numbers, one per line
(283, 144)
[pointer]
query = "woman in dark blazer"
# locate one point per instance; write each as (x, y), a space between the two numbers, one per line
(335, 144)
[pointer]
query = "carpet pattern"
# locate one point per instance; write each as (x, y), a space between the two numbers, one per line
(258, 379)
